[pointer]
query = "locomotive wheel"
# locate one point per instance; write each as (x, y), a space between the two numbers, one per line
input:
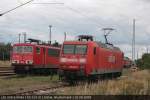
(119, 74)
(93, 79)
(116, 75)
(17, 71)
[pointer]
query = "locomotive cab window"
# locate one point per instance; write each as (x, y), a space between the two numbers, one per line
(75, 49)
(22, 49)
(53, 52)
(81, 49)
(68, 49)
(37, 50)
(17, 49)
(28, 49)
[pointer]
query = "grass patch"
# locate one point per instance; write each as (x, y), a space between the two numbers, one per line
(137, 83)
(5, 63)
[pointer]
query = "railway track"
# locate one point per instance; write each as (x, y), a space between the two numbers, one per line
(42, 91)
(51, 90)
(6, 71)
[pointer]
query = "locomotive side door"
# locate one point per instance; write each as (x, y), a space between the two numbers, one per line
(44, 57)
(96, 59)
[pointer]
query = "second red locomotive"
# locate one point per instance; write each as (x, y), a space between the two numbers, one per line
(35, 57)
(127, 62)
(87, 58)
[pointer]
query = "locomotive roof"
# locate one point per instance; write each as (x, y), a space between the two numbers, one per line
(76, 42)
(39, 45)
(107, 46)
(103, 45)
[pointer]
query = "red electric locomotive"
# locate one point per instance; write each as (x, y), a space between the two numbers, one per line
(35, 57)
(87, 58)
(127, 62)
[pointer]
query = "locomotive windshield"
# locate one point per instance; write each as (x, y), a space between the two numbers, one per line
(80, 49)
(75, 49)
(22, 49)
(27, 49)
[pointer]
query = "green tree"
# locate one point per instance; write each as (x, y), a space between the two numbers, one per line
(5, 50)
(144, 62)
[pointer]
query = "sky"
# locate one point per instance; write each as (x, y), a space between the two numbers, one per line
(78, 17)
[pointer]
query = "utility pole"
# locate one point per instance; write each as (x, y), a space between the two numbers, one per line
(50, 33)
(65, 36)
(19, 37)
(3, 56)
(133, 42)
(147, 49)
(25, 35)
(137, 54)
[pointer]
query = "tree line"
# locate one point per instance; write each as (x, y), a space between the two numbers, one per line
(144, 62)
(5, 51)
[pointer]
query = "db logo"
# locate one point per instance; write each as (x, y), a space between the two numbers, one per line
(73, 56)
(111, 59)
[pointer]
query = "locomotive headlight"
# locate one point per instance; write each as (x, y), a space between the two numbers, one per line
(82, 60)
(63, 59)
(15, 61)
(29, 62)
(81, 67)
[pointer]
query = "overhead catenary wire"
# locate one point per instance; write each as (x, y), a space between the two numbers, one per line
(70, 8)
(73, 10)
(49, 3)
(96, 22)
(20, 2)
(15, 8)
(83, 15)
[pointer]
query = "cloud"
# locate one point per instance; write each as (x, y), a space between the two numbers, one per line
(78, 17)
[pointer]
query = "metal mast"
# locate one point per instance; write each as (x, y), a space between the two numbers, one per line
(65, 36)
(50, 33)
(19, 37)
(133, 41)
(25, 35)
